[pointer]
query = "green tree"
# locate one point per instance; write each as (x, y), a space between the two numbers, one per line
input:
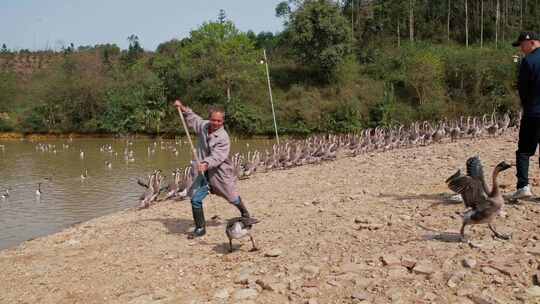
(222, 17)
(134, 51)
(320, 36)
(424, 72)
(222, 59)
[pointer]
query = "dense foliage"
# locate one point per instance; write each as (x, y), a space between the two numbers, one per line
(336, 67)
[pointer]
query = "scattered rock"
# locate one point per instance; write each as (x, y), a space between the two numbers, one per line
(311, 269)
(397, 272)
(462, 292)
(408, 262)
(479, 300)
(423, 267)
(489, 270)
(222, 294)
(370, 227)
(245, 293)
(456, 278)
(333, 283)
(498, 280)
(390, 260)
(360, 296)
(533, 291)
(362, 221)
(469, 263)
(273, 253)
(536, 278)
(312, 301)
(352, 268)
(534, 251)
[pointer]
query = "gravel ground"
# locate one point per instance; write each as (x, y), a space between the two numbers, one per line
(371, 229)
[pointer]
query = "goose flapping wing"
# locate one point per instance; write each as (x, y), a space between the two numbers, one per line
(470, 188)
(246, 221)
(474, 167)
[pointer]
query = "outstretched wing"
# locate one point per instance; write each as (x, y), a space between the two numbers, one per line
(470, 188)
(474, 167)
(246, 221)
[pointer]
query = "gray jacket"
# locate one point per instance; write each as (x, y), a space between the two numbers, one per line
(214, 150)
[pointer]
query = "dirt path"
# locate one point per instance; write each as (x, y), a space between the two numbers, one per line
(328, 227)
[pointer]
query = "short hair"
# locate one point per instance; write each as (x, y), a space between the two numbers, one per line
(219, 109)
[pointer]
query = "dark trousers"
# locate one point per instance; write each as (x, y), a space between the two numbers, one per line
(529, 137)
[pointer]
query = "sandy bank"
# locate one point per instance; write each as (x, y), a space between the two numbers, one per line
(329, 226)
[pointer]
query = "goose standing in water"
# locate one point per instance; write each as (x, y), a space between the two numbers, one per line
(240, 227)
(6, 194)
(38, 191)
(84, 175)
(484, 206)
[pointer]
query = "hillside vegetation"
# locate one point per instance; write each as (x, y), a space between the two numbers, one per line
(334, 68)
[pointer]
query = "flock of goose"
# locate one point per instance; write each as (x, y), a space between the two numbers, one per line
(318, 148)
(482, 202)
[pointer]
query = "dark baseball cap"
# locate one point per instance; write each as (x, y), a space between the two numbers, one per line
(524, 36)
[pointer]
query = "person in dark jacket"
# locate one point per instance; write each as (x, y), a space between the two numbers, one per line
(529, 94)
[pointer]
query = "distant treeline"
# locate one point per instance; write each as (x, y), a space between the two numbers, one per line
(336, 67)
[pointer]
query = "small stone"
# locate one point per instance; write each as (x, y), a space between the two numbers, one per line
(333, 283)
(456, 278)
(222, 294)
(397, 272)
(463, 292)
(533, 291)
(489, 270)
(311, 269)
(352, 268)
(362, 221)
(536, 278)
(408, 262)
(423, 267)
(360, 296)
(273, 253)
(312, 301)
(370, 227)
(244, 294)
(498, 280)
(534, 251)
(390, 260)
(469, 263)
(311, 291)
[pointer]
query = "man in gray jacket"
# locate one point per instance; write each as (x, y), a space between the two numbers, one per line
(215, 170)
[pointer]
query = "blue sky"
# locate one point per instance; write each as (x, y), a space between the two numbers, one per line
(38, 24)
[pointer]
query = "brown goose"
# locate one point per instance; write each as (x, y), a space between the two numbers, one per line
(484, 205)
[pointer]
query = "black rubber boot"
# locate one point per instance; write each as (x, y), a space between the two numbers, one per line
(200, 223)
(242, 208)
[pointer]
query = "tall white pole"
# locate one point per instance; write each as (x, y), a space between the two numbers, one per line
(270, 92)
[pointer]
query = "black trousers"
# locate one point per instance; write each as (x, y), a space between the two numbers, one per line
(529, 137)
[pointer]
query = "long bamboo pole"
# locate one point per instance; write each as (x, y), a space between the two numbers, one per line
(193, 150)
(270, 92)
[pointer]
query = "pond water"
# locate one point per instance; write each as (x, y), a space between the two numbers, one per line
(70, 196)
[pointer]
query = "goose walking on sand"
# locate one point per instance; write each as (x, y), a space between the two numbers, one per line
(240, 227)
(484, 206)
